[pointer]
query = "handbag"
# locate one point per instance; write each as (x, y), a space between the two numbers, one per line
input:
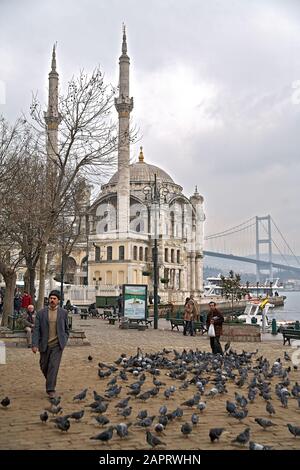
(211, 331)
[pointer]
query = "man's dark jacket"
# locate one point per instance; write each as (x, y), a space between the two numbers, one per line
(41, 329)
(218, 318)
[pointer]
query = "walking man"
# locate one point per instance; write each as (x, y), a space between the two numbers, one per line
(216, 318)
(50, 336)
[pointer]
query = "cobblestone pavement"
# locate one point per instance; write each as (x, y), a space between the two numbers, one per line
(22, 381)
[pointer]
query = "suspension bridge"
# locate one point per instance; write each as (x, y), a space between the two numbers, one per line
(261, 238)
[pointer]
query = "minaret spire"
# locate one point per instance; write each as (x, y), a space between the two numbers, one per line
(124, 106)
(53, 65)
(124, 44)
(52, 116)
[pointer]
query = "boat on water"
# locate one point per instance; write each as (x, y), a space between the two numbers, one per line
(271, 289)
(257, 313)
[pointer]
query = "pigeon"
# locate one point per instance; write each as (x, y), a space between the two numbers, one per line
(44, 416)
(81, 395)
(295, 430)
(186, 429)
(55, 401)
(286, 356)
(153, 441)
(270, 408)
(142, 414)
(256, 446)
(163, 410)
(264, 423)
(146, 422)
(122, 429)
(63, 425)
(201, 406)
(195, 419)
(239, 414)
(97, 397)
(123, 403)
(77, 415)
(126, 412)
(54, 409)
(230, 407)
(5, 402)
(215, 433)
(163, 419)
(105, 435)
(101, 408)
(243, 437)
(102, 420)
(90, 358)
(159, 428)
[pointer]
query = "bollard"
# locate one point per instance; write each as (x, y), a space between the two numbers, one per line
(274, 327)
(297, 325)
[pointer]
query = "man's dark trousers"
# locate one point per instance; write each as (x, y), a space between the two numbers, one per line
(216, 345)
(49, 363)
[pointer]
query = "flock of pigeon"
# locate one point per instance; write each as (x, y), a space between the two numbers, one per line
(204, 377)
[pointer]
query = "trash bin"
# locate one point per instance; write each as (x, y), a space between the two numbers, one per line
(253, 320)
(274, 327)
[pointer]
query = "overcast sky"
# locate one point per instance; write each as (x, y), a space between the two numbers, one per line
(216, 87)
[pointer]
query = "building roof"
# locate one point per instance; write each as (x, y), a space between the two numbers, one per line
(143, 172)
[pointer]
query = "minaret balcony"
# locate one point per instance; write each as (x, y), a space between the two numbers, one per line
(124, 104)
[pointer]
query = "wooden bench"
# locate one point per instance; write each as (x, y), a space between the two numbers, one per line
(198, 326)
(288, 334)
(83, 316)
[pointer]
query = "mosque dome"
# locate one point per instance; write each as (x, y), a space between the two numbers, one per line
(141, 172)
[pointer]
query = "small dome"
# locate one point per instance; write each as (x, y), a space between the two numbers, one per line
(143, 172)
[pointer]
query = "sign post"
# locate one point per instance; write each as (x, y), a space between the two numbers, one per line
(135, 301)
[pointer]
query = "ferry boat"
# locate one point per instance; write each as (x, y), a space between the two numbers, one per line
(213, 287)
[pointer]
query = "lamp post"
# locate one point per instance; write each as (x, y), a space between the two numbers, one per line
(62, 267)
(154, 194)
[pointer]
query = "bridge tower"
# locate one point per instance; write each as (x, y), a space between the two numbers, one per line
(263, 237)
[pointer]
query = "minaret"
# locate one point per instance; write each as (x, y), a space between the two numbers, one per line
(52, 116)
(197, 249)
(124, 106)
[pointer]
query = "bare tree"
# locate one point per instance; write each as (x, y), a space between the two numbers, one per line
(87, 144)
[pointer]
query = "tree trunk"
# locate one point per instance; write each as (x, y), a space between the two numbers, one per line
(40, 302)
(10, 278)
(32, 283)
(26, 280)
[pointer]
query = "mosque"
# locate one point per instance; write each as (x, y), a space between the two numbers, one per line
(139, 203)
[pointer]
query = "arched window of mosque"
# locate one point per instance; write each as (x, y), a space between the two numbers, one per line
(172, 216)
(108, 277)
(109, 253)
(97, 254)
(105, 228)
(121, 252)
(135, 252)
(166, 254)
(146, 254)
(138, 227)
(172, 256)
(141, 253)
(178, 256)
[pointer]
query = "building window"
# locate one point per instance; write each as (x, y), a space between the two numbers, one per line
(121, 277)
(172, 215)
(97, 254)
(109, 253)
(109, 277)
(146, 254)
(166, 255)
(178, 256)
(172, 256)
(121, 252)
(135, 252)
(138, 227)
(141, 253)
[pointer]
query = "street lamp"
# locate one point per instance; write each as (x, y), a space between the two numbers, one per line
(154, 194)
(62, 267)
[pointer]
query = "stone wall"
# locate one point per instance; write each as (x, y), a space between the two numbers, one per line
(241, 333)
